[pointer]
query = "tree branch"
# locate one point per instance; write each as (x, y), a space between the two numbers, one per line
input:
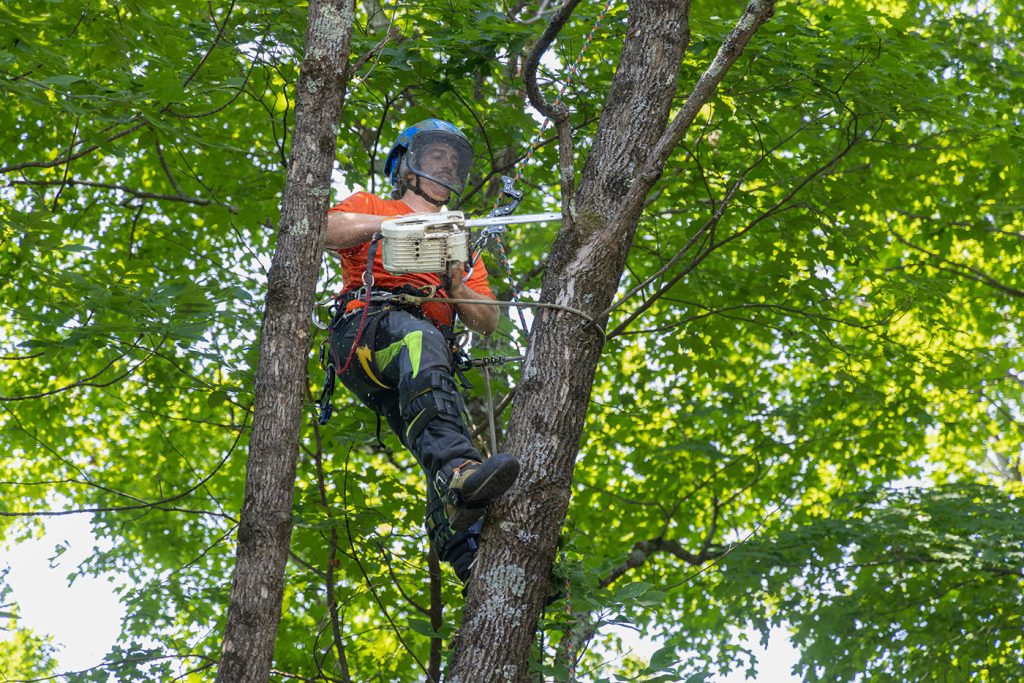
(127, 190)
(127, 661)
(88, 381)
(332, 555)
(366, 577)
(238, 92)
(67, 167)
(776, 208)
(719, 208)
(143, 505)
(167, 169)
(755, 14)
(59, 161)
(958, 269)
(551, 31)
(392, 33)
(213, 45)
(436, 617)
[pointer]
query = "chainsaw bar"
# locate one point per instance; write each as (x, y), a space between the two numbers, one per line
(513, 220)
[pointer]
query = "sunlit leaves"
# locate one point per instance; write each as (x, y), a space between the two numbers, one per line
(851, 319)
(907, 584)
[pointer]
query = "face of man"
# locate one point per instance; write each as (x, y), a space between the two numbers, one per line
(438, 167)
(440, 161)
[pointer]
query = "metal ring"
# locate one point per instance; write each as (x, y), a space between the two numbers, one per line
(316, 320)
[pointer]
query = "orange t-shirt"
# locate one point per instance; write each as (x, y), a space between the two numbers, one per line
(353, 262)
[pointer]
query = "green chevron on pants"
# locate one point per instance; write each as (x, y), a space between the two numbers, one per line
(412, 341)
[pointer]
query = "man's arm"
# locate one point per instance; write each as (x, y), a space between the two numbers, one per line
(483, 317)
(346, 229)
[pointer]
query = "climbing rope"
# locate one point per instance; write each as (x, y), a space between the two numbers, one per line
(412, 299)
(570, 650)
(507, 267)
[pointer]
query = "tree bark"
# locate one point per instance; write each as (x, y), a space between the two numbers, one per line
(587, 260)
(264, 533)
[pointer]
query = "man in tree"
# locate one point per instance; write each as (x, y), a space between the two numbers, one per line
(398, 359)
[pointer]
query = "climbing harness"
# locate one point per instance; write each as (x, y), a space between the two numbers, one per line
(375, 302)
(417, 243)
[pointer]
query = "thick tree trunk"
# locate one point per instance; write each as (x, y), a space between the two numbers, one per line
(264, 532)
(587, 260)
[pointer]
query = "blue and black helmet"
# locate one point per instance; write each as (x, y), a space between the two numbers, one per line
(411, 153)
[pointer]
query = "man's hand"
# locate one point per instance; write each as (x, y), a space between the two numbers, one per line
(482, 317)
(457, 275)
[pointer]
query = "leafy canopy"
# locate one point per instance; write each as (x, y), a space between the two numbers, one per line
(849, 323)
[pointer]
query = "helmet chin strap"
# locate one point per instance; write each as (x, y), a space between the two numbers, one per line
(419, 190)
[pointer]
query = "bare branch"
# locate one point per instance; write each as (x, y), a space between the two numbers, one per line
(551, 31)
(127, 190)
(209, 51)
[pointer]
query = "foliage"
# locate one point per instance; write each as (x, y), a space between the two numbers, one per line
(849, 322)
(910, 584)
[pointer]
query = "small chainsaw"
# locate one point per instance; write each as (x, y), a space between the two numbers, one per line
(428, 242)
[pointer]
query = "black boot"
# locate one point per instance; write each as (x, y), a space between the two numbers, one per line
(457, 548)
(468, 486)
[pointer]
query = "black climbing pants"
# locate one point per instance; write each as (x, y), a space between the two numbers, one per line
(402, 369)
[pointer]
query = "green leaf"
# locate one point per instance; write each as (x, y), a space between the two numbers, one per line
(423, 627)
(62, 80)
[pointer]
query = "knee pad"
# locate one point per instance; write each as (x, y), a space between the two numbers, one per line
(433, 394)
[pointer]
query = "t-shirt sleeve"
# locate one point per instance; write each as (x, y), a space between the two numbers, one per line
(359, 202)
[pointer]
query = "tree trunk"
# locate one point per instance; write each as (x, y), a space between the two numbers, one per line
(587, 261)
(264, 532)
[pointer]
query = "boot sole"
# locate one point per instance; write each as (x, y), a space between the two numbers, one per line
(460, 519)
(499, 481)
